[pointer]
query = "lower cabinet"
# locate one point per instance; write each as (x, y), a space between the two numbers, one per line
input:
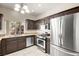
(21, 43)
(0, 50)
(47, 46)
(56, 52)
(11, 46)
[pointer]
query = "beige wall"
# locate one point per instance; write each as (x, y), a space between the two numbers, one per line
(11, 15)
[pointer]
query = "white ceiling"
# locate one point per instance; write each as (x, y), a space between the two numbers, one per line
(33, 6)
(38, 10)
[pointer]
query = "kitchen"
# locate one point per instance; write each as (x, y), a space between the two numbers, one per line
(25, 30)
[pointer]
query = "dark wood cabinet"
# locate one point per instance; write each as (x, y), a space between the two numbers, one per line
(45, 22)
(35, 25)
(1, 17)
(21, 42)
(47, 45)
(3, 46)
(12, 44)
(9, 45)
(0, 50)
(30, 24)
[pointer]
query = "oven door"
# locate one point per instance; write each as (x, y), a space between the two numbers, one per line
(41, 42)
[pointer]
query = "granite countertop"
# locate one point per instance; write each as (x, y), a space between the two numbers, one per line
(19, 35)
(9, 36)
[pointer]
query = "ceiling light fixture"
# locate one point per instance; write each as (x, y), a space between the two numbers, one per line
(32, 10)
(17, 6)
(22, 11)
(16, 9)
(22, 8)
(25, 7)
(27, 11)
(39, 5)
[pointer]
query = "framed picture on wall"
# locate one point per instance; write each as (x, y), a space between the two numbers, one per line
(12, 27)
(12, 24)
(1, 17)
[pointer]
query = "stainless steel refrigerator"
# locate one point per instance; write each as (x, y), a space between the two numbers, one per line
(65, 31)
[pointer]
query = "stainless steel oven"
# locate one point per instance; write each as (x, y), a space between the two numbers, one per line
(41, 42)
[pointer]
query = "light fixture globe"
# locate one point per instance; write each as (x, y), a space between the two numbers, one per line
(22, 11)
(16, 9)
(17, 6)
(22, 8)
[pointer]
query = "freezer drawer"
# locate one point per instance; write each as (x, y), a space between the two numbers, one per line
(55, 51)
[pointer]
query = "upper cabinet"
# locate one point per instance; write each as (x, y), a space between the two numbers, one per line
(45, 22)
(30, 24)
(1, 17)
(36, 25)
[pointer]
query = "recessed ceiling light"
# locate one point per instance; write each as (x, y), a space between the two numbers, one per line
(17, 6)
(25, 7)
(16, 9)
(39, 5)
(22, 11)
(27, 11)
(32, 10)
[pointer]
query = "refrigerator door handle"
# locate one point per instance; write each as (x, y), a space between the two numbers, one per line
(61, 40)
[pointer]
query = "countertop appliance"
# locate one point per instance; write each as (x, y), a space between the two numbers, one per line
(65, 31)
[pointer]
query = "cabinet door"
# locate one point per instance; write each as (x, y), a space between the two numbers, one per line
(0, 49)
(67, 32)
(29, 41)
(37, 25)
(1, 17)
(11, 46)
(30, 24)
(21, 43)
(55, 31)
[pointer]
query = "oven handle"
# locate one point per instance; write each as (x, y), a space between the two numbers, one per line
(41, 38)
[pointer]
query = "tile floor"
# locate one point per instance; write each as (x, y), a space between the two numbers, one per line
(31, 51)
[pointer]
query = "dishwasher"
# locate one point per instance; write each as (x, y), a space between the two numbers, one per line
(29, 41)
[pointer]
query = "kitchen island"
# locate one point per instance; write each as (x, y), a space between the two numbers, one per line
(12, 43)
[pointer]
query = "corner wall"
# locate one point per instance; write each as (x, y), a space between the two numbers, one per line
(11, 15)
